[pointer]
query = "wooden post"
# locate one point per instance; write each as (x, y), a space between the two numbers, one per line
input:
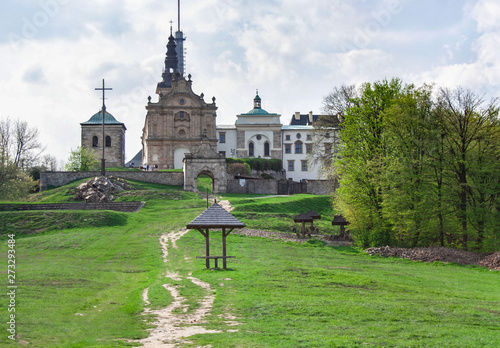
(207, 245)
(224, 248)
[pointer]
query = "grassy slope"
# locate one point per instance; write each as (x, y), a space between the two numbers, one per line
(82, 286)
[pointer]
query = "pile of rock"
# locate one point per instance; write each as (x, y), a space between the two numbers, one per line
(100, 189)
(440, 254)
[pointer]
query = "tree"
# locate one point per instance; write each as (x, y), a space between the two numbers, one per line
(361, 162)
(19, 150)
(471, 143)
(82, 159)
(325, 134)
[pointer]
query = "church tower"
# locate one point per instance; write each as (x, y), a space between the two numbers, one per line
(179, 120)
(114, 138)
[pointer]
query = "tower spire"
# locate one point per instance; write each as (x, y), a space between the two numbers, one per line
(179, 41)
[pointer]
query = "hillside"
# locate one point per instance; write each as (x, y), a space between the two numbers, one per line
(98, 279)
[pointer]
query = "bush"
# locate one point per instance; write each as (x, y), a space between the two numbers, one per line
(238, 168)
(256, 163)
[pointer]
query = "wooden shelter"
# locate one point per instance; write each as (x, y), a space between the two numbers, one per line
(315, 216)
(339, 220)
(215, 217)
(303, 218)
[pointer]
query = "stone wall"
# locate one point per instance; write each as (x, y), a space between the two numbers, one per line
(321, 187)
(266, 187)
(57, 179)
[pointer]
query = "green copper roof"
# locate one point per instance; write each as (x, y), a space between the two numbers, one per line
(258, 111)
(97, 119)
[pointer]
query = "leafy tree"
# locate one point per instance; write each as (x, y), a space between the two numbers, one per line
(362, 162)
(82, 159)
(471, 128)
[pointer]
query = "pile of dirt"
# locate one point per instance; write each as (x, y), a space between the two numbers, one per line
(100, 189)
(492, 261)
(432, 254)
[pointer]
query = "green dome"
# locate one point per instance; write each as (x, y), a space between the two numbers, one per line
(97, 119)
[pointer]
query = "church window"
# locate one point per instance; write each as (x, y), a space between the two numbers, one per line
(266, 149)
(108, 141)
(181, 114)
(181, 101)
(251, 150)
(288, 148)
(222, 138)
(95, 141)
(291, 166)
(298, 135)
(259, 137)
(309, 148)
(182, 133)
(298, 147)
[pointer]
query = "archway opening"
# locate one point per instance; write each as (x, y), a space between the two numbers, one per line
(204, 181)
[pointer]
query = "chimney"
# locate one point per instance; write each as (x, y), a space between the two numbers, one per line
(310, 117)
(297, 115)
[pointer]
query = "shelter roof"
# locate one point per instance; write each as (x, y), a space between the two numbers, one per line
(302, 217)
(215, 217)
(339, 220)
(313, 214)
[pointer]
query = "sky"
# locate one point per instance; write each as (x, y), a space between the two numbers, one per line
(54, 53)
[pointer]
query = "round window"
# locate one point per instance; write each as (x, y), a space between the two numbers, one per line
(259, 137)
(298, 135)
(182, 133)
(181, 101)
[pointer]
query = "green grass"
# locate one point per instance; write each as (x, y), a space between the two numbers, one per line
(81, 274)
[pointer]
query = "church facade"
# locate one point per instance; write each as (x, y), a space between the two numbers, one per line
(178, 121)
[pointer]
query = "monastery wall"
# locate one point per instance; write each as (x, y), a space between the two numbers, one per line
(57, 179)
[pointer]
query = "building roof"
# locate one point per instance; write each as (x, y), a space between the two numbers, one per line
(258, 111)
(137, 160)
(97, 119)
(215, 217)
(303, 121)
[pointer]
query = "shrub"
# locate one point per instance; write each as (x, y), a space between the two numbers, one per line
(238, 168)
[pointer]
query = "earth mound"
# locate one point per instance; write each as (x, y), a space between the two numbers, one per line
(100, 189)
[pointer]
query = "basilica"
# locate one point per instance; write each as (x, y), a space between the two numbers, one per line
(179, 122)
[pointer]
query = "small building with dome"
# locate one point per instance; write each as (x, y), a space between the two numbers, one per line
(114, 138)
(256, 133)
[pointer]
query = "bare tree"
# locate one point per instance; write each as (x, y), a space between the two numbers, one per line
(325, 135)
(27, 146)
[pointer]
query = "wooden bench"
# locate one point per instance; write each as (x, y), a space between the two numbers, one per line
(216, 258)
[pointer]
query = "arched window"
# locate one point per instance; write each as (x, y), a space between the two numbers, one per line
(108, 141)
(250, 150)
(95, 141)
(298, 147)
(266, 149)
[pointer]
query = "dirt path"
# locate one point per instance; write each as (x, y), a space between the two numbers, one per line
(172, 328)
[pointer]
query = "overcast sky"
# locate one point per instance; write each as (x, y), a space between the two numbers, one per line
(54, 53)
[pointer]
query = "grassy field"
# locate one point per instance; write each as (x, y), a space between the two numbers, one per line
(80, 277)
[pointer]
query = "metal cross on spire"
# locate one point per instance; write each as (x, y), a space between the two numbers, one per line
(103, 111)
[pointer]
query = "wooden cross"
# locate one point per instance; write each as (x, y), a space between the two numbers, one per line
(103, 161)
